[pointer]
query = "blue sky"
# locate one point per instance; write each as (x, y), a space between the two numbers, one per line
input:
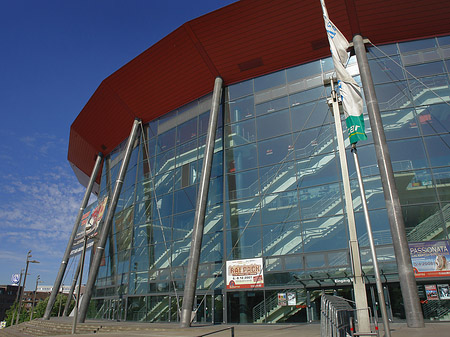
(53, 56)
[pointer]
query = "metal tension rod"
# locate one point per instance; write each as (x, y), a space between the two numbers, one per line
(65, 260)
(413, 310)
(107, 223)
(200, 209)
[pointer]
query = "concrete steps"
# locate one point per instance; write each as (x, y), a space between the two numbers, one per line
(40, 327)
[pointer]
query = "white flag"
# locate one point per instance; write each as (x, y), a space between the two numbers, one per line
(348, 88)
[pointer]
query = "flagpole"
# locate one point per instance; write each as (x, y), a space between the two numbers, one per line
(380, 291)
(362, 308)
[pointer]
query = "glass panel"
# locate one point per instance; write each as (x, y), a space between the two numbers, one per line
(273, 124)
(240, 158)
(444, 40)
(165, 161)
(320, 201)
(317, 170)
(307, 96)
(442, 177)
(185, 199)
(166, 140)
(182, 225)
(164, 183)
(438, 149)
(415, 187)
(277, 177)
(270, 80)
(187, 131)
(408, 154)
(275, 150)
(310, 115)
(423, 223)
(434, 118)
(137, 308)
(380, 228)
(367, 161)
(212, 249)
(425, 69)
(315, 261)
(430, 90)
(243, 184)
(243, 212)
(281, 239)
(380, 51)
(244, 244)
(314, 141)
(273, 105)
(246, 302)
(273, 263)
(303, 71)
(393, 96)
(374, 193)
(417, 45)
(293, 262)
(279, 207)
(386, 70)
(399, 124)
(164, 206)
(240, 89)
(158, 309)
(240, 133)
(240, 109)
(324, 234)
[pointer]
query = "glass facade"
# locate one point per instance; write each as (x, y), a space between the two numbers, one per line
(276, 192)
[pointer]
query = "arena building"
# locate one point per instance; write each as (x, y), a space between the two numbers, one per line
(275, 203)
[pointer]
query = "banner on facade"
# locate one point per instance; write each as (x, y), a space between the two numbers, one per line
(431, 292)
(92, 218)
(246, 273)
(430, 259)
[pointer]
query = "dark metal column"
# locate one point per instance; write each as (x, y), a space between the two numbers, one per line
(72, 288)
(93, 271)
(65, 260)
(414, 316)
(202, 198)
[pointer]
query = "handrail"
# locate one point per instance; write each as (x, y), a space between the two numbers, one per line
(213, 332)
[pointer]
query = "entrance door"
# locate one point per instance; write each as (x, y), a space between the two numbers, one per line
(205, 310)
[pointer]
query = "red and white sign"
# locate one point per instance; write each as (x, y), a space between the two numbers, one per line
(246, 273)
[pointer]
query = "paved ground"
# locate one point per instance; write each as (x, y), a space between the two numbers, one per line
(435, 329)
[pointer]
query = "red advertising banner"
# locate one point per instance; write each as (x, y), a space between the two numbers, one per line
(245, 274)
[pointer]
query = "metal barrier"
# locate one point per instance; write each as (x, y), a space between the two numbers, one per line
(335, 314)
(337, 318)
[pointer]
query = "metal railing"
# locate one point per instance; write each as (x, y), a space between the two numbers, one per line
(213, 332)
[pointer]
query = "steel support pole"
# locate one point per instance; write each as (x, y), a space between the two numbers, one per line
(93, 271)
(23, 290)
(358, 281)
(65, 260)
(380, 290)
(414, 316)
(200, 209)
(77, 300)
(72, 288)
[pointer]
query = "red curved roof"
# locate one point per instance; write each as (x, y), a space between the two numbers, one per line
(243, 40)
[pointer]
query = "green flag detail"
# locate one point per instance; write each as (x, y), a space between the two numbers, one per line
(355, 128)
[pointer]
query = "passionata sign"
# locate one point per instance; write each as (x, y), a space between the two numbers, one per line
(246, 273)
(430, 259)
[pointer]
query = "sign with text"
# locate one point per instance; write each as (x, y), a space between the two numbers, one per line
(430, 259)
(245, 274)
(92, 217)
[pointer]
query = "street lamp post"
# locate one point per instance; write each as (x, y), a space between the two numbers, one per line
(17, 296)
(34, 297)
(24, 281)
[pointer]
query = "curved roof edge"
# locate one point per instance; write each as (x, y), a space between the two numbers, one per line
(243, 40)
